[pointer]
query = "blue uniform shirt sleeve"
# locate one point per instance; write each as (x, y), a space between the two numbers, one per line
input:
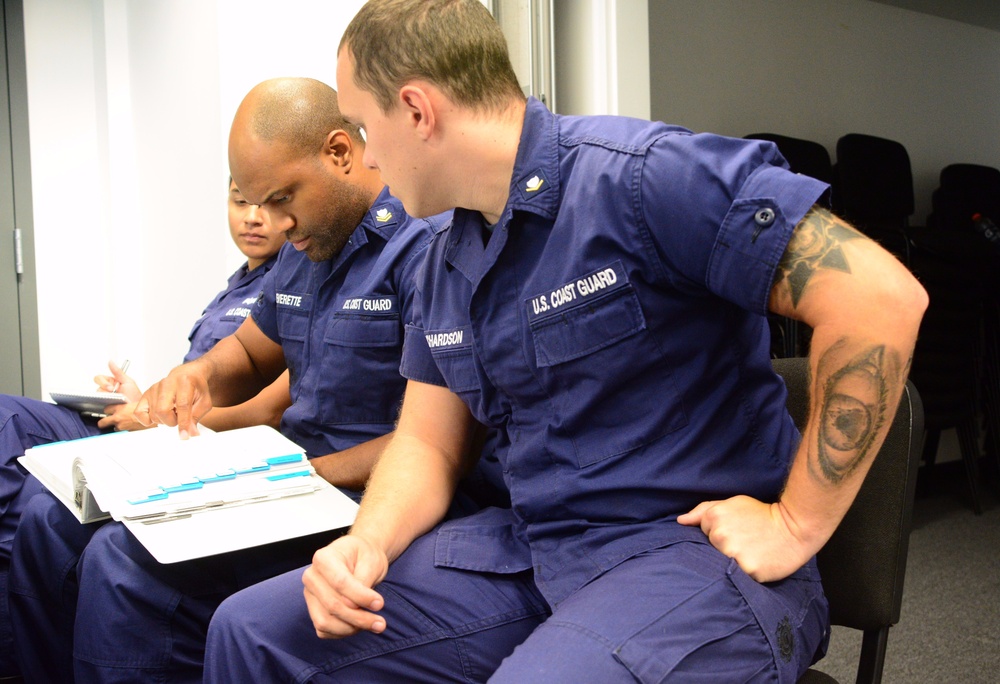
(224, 315)
(736, 204)
(417, 362)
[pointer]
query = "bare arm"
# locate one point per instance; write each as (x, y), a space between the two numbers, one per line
(865, 310)
(266, 408)
(352, 467)
(413, 482)
(408, 493)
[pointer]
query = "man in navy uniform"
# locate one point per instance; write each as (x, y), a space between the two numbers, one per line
(600, 299)
(331, 312)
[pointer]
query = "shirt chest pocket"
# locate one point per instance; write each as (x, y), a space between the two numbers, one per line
(360, 380)
(371, 321)
(586, 328)
(229, 323)
(609, 384)
(293, 324)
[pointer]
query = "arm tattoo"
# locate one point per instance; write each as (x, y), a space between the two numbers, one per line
(815, 244)
(854, 406)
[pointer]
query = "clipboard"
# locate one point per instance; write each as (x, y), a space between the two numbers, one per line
(88, 402)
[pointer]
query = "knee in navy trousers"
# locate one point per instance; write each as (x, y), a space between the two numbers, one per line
(680, 613)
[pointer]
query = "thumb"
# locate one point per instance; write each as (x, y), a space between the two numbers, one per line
(117, 371)
(694, 516)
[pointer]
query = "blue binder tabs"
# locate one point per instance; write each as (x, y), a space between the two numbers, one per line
(228, 474)
(252, 468)
(182, 486)
(279, 460)
(153, 495)
(286, 475)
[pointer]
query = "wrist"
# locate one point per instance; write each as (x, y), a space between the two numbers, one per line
(809, 529)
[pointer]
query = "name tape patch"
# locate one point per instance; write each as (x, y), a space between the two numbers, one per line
(244, 310)
(456, 338)
(375, 304)
(291, 300)
(588, 286)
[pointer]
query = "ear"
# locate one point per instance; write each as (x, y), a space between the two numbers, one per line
(338, 150)
(418, 105)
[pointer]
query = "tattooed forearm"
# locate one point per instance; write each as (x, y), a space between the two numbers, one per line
(854, 405)
(815, 244)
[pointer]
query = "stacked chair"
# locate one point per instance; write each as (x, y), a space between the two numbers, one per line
(873, 189)
(957, 361)
(947, 356)
(965, 190)
(789, 337)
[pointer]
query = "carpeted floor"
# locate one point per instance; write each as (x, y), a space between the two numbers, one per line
(949, 628)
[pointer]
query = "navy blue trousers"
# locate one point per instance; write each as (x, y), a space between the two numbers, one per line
(681, 613)
(92, 605)
(24, 423)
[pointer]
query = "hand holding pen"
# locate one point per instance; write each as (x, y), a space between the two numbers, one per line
(120, 375)
(118, 381)
(119, 417)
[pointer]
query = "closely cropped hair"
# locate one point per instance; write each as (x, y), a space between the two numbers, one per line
(300, 112)
(454, 44)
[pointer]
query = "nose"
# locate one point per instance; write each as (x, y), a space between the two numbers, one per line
(368, 159)
(280, 221)
(253, 215)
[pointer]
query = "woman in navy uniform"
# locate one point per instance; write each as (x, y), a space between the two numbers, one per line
(25, 423)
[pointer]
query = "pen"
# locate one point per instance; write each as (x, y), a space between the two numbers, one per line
(124, 368)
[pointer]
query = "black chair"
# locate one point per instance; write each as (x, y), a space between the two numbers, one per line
(807, 157)
(965, 190)
(947, 360)
(956, 364)
(991, 367)
(864, 563)
(810, 158)
(873, 189)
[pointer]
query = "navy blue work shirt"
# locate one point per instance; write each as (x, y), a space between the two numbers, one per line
(613, 329)
(228, 310)
(340, 325)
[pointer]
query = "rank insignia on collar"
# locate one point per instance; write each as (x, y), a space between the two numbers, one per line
(532, 184)
(383, 215)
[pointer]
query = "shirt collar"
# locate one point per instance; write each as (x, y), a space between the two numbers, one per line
(534, 187)
(384, 217)
(244, 274)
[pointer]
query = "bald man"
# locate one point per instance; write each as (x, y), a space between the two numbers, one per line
(293, 155)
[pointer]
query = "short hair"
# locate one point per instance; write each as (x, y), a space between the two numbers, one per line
(454, 44)
(299, 112)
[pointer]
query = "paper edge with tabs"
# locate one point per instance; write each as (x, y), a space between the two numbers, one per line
(186, 499)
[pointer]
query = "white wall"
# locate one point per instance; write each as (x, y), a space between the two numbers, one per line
(602, 57)
(817, 69)
(129, 109)
(130, 104)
